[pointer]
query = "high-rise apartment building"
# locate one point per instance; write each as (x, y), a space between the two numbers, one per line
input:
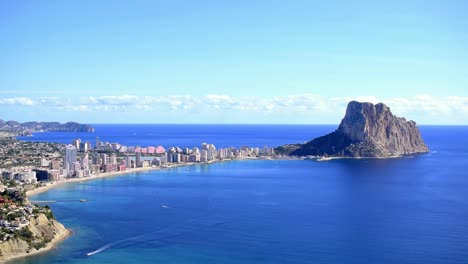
(70, 158)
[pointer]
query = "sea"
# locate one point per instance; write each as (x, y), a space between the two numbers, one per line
(412, 209)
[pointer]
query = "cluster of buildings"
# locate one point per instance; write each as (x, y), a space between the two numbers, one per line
(19, 215)
(21, 175)
(15, 210)
(80, 159)
(112, 157)
(14, 214)
(16, 153)
(34, 174)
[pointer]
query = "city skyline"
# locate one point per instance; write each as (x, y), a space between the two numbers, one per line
(231, 63)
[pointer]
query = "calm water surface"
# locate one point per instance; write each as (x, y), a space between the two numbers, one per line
(192, 135)
(408, 210)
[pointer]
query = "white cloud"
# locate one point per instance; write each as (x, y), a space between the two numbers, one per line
(80, 108)
(17, 101)
(217, 99)
(423, 108)
(113, 100)
(429, 104)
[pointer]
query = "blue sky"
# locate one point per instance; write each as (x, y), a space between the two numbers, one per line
(231, 61)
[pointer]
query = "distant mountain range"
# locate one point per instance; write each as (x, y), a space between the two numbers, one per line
(44, 126)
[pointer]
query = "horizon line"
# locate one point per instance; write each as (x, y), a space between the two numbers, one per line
(247, 124)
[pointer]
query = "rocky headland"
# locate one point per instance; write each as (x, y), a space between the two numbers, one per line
(34, 126)
(367, 130)
(40, 235)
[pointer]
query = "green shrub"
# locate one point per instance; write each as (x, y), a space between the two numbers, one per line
(49, 215)
(38, 245)
(25, 234)
(13, 216)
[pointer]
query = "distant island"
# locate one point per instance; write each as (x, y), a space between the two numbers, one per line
(367, 130)
(29, 127)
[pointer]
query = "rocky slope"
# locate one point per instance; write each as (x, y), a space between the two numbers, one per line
(44, 233)
(367, 130)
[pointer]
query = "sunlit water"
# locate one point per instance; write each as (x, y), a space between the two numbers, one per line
(407, 210)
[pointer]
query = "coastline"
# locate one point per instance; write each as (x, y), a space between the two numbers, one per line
(412, 155)
(95, 176)
(144, 169)
(60, 237)
(321, 159)
(129, 171)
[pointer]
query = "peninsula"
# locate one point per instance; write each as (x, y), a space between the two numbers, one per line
(27, 128)
(25, 228)
(367, 130)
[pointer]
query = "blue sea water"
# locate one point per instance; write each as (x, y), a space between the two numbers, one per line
(406, 210)
(191, 135)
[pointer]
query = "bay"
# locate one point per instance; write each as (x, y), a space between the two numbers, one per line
(405, 210)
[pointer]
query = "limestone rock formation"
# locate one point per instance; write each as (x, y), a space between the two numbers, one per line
(367, 130)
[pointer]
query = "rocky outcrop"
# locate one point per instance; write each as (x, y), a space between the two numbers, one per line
(45, 126)
(367, 130)
(44, 232)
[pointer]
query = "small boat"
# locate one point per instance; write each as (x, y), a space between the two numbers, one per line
(83, 200)
(164, 206)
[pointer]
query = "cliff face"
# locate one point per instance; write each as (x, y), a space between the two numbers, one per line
(367, 130)
(43, 230)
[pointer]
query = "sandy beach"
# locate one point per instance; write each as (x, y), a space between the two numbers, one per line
(118, 173)
(62, 236)
(93, 177)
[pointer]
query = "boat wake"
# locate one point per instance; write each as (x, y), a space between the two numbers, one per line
(102, 248)
(163, 233)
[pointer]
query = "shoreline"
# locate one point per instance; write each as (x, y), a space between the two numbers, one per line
(60, 237)
(64, 235)
(52, 185)
(321, 159)
(102, 175)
